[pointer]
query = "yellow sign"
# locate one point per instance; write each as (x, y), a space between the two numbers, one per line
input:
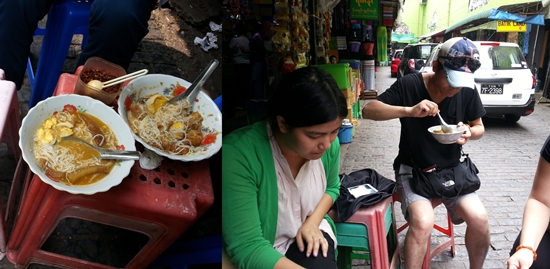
(511, 26)
(363, 9)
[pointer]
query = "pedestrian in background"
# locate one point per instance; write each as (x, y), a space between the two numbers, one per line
(534, 237)
(280, 177)
(258, 60)
(114, 32)
(241, 68)
(415, 100)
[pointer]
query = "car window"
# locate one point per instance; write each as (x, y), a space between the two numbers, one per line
(502, 58)
(430, 59)
(398, 54)
(424, 51)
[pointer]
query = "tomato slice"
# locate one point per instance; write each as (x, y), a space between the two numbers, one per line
(208, 139)
(179, 90)
(127, 103)
(69, 108)
(120, 147)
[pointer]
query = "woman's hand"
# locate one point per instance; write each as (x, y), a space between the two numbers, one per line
(311, 235)
(522, 259)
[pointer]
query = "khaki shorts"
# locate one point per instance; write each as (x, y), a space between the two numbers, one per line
(407, 195)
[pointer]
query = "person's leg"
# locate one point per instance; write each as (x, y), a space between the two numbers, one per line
(543, 260)
(477, 239)
(319, 262)
(115, 30)
(419, 214)
(18, 21)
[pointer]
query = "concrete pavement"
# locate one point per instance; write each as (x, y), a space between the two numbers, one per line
(506, 156)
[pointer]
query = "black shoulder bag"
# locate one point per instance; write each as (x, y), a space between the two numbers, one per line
(447, 182)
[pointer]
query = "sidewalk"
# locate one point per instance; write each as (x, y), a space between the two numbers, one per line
(506, 156)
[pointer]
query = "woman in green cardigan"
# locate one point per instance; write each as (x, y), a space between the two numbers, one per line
(280, 177)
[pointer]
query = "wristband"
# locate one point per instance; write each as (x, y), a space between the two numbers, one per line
(529, 248)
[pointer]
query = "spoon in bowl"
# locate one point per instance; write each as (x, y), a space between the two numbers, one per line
(193, 90)
(98, 85)
(103, 153)
(444, 126)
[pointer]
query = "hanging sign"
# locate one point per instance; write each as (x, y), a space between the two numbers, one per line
(511, 26)
(363, 9)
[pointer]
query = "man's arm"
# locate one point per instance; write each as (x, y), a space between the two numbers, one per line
(377, 110)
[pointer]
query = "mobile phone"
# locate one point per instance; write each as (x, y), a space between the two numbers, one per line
(365, 189)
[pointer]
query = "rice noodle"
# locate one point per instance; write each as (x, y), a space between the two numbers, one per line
(157, 128)
(61, 159)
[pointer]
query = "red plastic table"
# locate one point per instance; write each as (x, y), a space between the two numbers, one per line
(161, 204)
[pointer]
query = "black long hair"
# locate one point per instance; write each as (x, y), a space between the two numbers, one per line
(306, 97)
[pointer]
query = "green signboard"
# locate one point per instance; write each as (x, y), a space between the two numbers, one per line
(363, 9)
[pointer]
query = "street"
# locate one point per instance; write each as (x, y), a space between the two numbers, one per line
(506, 156)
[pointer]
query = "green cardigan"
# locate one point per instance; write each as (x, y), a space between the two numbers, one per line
(250, 195)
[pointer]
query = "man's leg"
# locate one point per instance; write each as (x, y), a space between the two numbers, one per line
(18, 21)
(115, 30)
(419, 214)
(477, 238)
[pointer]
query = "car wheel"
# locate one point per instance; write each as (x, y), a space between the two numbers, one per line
(511, 118)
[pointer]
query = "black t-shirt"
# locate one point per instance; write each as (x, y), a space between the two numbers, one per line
(545, 151)
(416, 143)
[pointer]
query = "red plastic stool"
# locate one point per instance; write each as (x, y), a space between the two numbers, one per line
(449, 231)
(381, 229)
(159, 204)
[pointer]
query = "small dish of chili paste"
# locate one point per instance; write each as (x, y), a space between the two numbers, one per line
(102, 70)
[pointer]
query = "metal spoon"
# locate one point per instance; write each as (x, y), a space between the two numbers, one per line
(98, 85)
(104, 153)
(444, 126)
(193, 90)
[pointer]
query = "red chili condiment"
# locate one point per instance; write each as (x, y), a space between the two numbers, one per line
(97, 74)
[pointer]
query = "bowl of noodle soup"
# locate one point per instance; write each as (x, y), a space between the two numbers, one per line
(66, 166)
(170, 130)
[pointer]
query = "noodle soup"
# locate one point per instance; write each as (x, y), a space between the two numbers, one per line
(69, 162)
(171, 128)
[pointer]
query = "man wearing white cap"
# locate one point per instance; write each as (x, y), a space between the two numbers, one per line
(416, 99)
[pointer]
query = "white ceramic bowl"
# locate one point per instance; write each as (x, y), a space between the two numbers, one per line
(45, 108)
(446, 138)
(157, 83)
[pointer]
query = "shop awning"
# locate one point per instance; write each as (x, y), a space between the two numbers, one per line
(505, 16)
(495, 14)
(492, 25)
(432, 34)
(481, 15)
(403, 38)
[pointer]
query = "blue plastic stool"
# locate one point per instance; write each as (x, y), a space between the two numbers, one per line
(65, 19)
(181, 254)
(218, 102)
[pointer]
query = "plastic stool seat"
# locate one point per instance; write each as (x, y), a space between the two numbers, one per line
(379, 222)
(10, 122)
(449, 231)
(65, 18)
